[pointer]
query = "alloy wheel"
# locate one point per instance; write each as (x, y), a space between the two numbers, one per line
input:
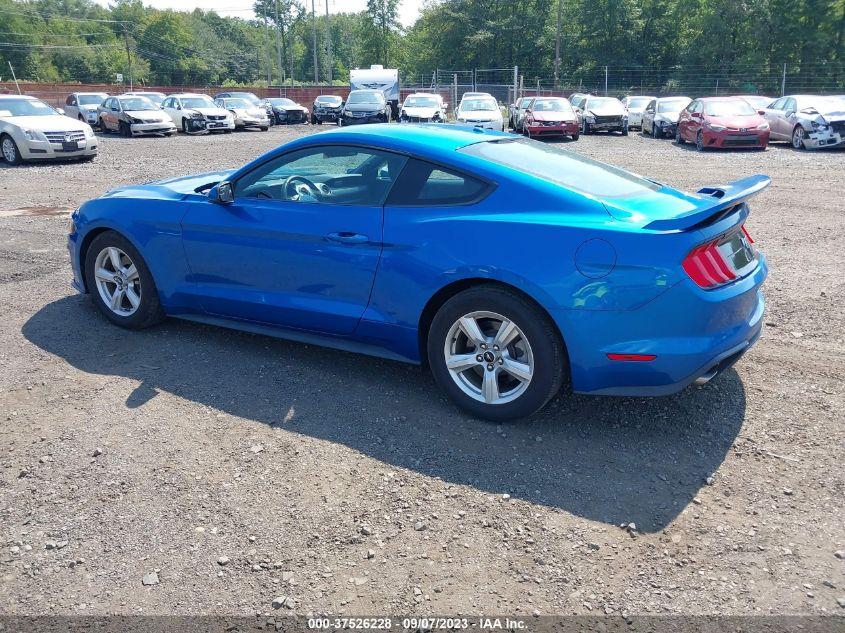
(699, 141)
(489, 357)
(798, 136)
(118, 281)
(10, 152)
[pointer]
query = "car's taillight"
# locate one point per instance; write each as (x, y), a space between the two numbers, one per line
(720, 261)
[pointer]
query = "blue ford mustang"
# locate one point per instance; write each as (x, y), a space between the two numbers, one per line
(507, 265)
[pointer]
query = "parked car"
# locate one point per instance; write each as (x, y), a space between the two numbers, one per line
(197, 114)
(480, 112)
(287, 111)
(365, 106)
(550, 116)
(423, 107)
(660, 117)
(603, 114)
(758, 102)
(252, 99)
(326, 108)
(245, 114)
(32, 130)
(516, 112)
(155, 97)
(384, 235)
(83, 106)
(722, 122)
(134, 116)
(807, 121)
(577, 100)
(635, 105)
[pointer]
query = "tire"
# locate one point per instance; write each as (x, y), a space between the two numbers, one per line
(699, 141)
(184, 127)
(101, 124)
(148, 311)
(678, 138)
(124, 129)
(313, 120)
(624, 129)
(535, 345)
(9, 149)
(575, 136)
(798, 136)
(585, 127)
(265, 128)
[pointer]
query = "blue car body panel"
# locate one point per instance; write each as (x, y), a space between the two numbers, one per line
(606, 269)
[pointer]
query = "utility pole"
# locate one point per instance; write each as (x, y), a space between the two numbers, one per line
(128, 55)
(329, 43)
(15, 78)
(279, 49)
(267, 50)
(557, 46)
(783, 82)
(605, 81)
(515, 82)
(314, 29)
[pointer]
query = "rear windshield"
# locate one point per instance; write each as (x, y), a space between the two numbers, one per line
(366, 97)
(638, 102)
(672, 105)
(562, 167)
(483, 105)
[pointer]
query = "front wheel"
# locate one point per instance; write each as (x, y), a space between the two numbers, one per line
(497, 355)
(11, 153)
(798, 136)
(678, 138)
(120, 282)
(575, 136)
(624, 129)
(699, 141)
(125, 130)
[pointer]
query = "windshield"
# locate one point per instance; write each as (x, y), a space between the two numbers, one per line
(197, 102)
(562, 167)
(638, 103)
(152, 96)
(673, 105)
(248, 96)
(551, 105)
(728, 108)
(235, 104)
(759, 102)
(281, 102)
(25, 107)
(484, 105)
(136, 104)
(366, 97)
(96, 99)
(420, 102)
(603, 102)
(329, 100)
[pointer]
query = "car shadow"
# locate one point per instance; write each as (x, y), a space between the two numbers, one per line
(612, 460)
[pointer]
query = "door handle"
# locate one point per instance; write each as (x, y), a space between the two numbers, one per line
(348, 237)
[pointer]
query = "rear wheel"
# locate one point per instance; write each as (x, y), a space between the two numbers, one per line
(575, 136)
(11, 153)
(495, 353)
(120, 282)
(699, 141)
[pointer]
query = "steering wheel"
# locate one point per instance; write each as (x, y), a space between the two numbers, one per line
(296, 186)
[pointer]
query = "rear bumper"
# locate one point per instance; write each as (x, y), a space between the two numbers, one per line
(730, 139)
(693, 334)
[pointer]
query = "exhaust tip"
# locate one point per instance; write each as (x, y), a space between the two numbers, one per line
(705, 378)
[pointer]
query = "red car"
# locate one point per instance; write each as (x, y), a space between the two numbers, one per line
(722, 122)
(550, 116)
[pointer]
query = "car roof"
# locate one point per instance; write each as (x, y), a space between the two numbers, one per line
(675, 98)
(19, 97)
(423, 94)
(429, 136)
(179, 95)
(719, 99)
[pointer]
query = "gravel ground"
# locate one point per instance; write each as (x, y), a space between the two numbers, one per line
(229, 470)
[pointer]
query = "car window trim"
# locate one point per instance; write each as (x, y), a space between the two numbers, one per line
(379, 205)
(490, 188)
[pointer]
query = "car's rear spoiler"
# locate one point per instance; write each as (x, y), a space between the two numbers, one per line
(719, 202)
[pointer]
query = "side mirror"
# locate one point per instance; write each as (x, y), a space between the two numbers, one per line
(222, 193)
(761, 112)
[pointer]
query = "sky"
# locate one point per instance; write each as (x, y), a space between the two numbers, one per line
(409, 10)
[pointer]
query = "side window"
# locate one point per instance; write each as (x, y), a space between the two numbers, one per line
(652, 105)
(331, 174)
(790, 105)
(425, 184)
(778, 105)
